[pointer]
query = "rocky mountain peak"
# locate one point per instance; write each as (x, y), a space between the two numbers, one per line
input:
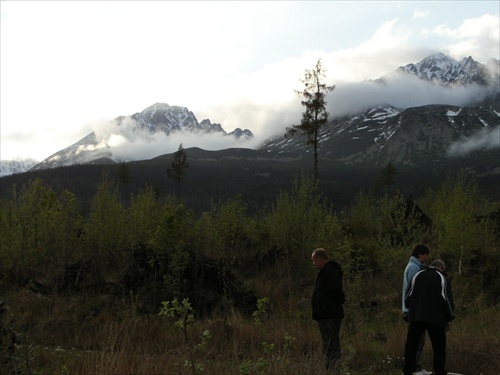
(238, 133)
(165, 118)
(155, 119)
(447, 71)
(208, 127)
(161, 117)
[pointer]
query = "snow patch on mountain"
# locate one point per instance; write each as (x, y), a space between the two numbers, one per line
(9, 167)
(451, 113)
(381, 114)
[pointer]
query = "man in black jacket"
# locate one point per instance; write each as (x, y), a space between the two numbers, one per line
(430, 303)
(327, 300)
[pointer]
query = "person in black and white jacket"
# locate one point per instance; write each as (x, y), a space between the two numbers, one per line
(430, 303)
(417, 262)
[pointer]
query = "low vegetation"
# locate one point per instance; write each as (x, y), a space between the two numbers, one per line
(152, 288)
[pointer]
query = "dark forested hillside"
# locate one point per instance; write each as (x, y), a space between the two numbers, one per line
(256, 176)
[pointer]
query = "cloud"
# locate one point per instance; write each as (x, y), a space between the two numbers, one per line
(383, 52)
(486, 139)
(420, 14)
(129, 142)
(477, 37)
(354, 97)
(213, 61)
(265, 101)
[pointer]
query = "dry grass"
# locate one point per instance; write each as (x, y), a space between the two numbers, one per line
(59, 335)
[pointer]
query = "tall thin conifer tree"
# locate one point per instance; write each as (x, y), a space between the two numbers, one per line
(315, 115)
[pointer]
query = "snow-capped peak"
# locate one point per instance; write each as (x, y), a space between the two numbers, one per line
(445, 70)
(158, 119)
(8, 167)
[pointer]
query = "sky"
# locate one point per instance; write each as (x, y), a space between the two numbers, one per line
(69, 67)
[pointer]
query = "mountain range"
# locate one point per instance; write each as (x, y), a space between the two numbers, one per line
(447, 71)
(436, 135)
(157, 118)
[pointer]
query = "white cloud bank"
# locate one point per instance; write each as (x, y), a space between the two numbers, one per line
(129, 142)
(67, 66)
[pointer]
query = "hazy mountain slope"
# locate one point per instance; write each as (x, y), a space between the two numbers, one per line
(8, 167)
(159, 118)
(428, 135)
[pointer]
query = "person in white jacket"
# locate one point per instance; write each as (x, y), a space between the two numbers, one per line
(419, 255)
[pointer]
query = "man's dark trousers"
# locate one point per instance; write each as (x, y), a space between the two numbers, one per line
(437, 335)
(330, 332)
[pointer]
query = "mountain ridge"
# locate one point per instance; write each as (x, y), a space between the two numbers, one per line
(445, 70)
(157, 118)
(368, 128)
(406, 136)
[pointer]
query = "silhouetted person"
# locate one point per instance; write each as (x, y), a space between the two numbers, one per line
(327, 300)
(418, 258)
(430, 303)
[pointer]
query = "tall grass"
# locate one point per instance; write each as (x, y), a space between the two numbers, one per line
(101, 336)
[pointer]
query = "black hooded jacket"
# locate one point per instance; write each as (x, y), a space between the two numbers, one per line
(328, 296)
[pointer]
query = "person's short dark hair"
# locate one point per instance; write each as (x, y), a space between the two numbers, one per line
(321, 254)
(420, 249)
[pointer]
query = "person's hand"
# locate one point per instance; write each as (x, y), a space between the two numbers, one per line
(448, 326)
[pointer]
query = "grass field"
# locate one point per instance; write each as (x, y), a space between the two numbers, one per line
(100, 335)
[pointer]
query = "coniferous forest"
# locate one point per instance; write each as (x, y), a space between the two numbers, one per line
(143, 284)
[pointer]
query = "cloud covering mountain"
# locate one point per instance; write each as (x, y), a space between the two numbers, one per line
(57, 85)
(144, 135)
(160, 129)
(130, 142)
(431, 82)
(485, 139)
